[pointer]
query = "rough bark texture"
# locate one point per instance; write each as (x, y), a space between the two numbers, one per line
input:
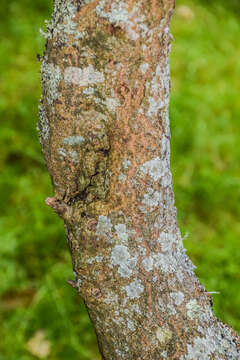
(104, 129)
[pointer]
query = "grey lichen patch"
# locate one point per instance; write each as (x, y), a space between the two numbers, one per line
(88, 91)
(201, 349)
(171, 309)
(167, 240)
(154, 106)
(136, 309)
(126, 163)
(178, 297)
(104, 226)
(79, 284)
(74, 156)
(120, 15)
(117, 15)
(164, 335)
(122, 233)
(131, 325)
(63, 9)
(148, 263)
(121, 257)
(111, 298)
(151, 200)
(159, 84)
(194, 310)
(43, 124)
(74, 140)
(156, 168)
(165, 263)
(134, 289)
(112, 103)
(216, 342)
(226, 344)
(62, 24)
(82, 77)
(51, 77)
(62, 152)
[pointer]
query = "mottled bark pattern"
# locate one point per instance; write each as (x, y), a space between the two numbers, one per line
(104, 129)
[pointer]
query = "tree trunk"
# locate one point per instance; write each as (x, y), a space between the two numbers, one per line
(104, 128)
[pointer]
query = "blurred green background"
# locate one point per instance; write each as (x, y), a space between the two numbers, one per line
(40, 315)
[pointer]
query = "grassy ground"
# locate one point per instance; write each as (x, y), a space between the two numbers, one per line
(38, 310)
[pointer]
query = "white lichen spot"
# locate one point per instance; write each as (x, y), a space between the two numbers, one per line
(74, 140)
(178, 297)
(194, 310)
(79, 284)
(119, 320)
(90, 260)
(63, 23)
(155, 104)
(51, 77)
(171, 309)
(166, 179)
(121, 231)
(126, 163)
(159, 90)
(111, 298)
(88, 91)
(131, 325)
(165, 263)
(71, 153)
(156, 168)
(99, 258)
(201, 349)
(121, 257)
(43, 125)
(112, 103)
(164, 354)
(144, 67)
(104, 226)
(134, 289)
(163, 335)
(136, 309)
(148, 263)
(120, 15)
(74, 156)
(82, 77)
(167, 239)
(117, 15)
(62, 153)
(151, 200)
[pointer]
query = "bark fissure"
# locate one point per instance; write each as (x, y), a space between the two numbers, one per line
(104, 128)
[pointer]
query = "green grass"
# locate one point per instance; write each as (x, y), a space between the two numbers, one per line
(205, 111)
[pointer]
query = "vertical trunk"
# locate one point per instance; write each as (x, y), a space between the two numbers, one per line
(104, 129)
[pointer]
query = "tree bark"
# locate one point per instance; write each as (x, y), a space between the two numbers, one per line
(104, 129)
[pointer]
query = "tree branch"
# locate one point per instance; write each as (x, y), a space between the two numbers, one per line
(104, 129)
